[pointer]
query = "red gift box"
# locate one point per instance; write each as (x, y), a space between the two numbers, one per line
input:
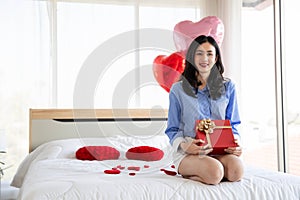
(216, 132)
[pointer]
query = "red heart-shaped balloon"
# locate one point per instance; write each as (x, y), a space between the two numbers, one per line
(167, 69)
(186, 31)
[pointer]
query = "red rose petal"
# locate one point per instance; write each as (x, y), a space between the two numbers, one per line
(131, 174)
(168, 172)
(173, 166)
(146, 166)
(135, 168)
(120, 167)
(112, 171)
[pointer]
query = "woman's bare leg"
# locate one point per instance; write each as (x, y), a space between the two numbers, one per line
(202, 168)
(233, 167)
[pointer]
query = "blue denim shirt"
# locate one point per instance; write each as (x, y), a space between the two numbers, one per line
(184, 110)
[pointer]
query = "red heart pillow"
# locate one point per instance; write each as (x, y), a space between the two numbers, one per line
(145, 153)
(97, 153)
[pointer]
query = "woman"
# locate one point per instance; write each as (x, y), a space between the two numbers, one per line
(203, 93)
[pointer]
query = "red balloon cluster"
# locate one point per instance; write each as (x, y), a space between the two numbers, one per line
(167, 69)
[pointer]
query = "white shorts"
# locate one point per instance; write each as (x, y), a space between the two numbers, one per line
(178, 156)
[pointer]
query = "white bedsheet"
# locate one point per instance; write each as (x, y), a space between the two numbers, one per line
(53, 172)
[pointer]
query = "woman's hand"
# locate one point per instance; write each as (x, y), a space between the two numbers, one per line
(192, 147)
(235, 150)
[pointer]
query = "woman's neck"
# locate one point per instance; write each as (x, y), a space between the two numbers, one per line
(203, 79)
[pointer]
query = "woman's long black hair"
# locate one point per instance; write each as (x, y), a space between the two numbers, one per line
(215, 81)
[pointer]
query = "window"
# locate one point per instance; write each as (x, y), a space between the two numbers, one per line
(291, 68)
(258, 88)
(98, 25)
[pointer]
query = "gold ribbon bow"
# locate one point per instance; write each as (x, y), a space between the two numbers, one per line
(208, 126)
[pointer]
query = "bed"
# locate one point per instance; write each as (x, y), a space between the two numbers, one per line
(52, 171)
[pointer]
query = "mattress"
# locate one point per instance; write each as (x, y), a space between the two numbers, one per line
(52, 171)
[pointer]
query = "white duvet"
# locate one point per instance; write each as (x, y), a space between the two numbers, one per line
(52, 172)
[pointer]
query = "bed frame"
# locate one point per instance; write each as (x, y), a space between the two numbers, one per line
(74, 123)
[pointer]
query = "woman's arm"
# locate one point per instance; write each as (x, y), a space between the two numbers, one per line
(232, 111)
(173, 130)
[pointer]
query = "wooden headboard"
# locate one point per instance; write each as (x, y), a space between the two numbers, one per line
(54, 124)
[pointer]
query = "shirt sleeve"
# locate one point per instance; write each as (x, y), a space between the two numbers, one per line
(173, 130)
(232, 111)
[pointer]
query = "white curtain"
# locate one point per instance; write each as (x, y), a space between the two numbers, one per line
(24, 72)
(229, 12)
(231, 16)
(52, 31)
